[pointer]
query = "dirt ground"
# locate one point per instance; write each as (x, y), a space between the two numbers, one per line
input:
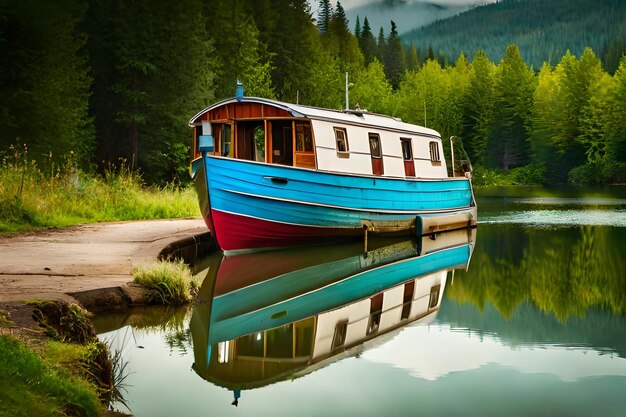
(73, 264)
(87, 264)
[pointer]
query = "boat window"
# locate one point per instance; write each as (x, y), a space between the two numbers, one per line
(407, 149)
(341, 138)
(434, 152)
(409, 289)
(279, 342)
(227, 150)
(251, 345)
(376, 308)
(434, 296)
(375, 145)
(339, 338)
(304, 139)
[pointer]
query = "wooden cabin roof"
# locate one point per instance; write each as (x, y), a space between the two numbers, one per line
(352, 117)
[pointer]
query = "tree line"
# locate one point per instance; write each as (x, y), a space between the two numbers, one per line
(105, 82)
(543, 30)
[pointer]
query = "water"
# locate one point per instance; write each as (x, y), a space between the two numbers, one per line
(535, 326)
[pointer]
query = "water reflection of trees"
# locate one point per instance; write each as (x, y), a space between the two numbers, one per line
(562, 271)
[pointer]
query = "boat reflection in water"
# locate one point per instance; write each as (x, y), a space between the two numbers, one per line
(265, 317)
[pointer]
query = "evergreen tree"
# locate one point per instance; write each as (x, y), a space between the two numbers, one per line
(395, 61)
(381, 45)
(478, 107)
(412, 61)
(148, 80)
(340, 42)
(300, 66)
(357, 29)
(44, 81)
(367, 42)
(238, 49)
(324, 15)
(508, 141)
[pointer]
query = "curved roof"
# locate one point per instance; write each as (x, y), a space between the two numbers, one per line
(353, 117)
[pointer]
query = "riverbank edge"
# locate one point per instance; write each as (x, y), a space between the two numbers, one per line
(18, 320)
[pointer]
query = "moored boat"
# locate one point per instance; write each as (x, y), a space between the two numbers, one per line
(259, 321)
(271, 174)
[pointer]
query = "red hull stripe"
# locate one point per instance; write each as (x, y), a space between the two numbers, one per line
(235, 232)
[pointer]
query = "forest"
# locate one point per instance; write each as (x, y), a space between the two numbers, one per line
(103, 83)
(543, 30)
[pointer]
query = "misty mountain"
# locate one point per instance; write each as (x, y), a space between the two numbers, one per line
(406, 14)
(543, 30)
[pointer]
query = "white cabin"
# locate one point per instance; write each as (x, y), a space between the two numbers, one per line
(352, 142)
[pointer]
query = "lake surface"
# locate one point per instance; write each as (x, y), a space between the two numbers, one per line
(536, 324)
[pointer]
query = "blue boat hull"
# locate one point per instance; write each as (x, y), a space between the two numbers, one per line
(251, 205)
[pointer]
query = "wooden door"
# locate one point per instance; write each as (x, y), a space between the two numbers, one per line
(407, 155)
(376, 153)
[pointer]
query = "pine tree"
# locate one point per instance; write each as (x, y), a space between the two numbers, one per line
(44, 81)
(394, 58)
(367, 42)
(478, 107)
(324, 14)
(412, 61)
(148, 79)
(381, 45)
(508, 141)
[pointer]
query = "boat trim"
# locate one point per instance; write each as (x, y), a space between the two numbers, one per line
(308, 203)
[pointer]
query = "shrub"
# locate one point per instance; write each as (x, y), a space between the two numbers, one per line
(166, 282)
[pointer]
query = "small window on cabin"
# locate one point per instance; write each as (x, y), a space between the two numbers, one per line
(341, 139)
(434, 296)
(407, 149)
(304, 139)
(375, 150)
(339, 338)
(227, 150)
(434, 152)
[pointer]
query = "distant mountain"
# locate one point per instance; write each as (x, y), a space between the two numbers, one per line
(407, 15)
(543, 30)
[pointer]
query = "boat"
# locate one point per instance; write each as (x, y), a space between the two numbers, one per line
(260, 321)
(273, 174)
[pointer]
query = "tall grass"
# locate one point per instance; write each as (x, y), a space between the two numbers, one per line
(31, 387)
(165, 282)
(57, 196)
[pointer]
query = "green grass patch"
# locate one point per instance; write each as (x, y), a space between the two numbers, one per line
(31, 387)
(32, 199)
(165, 282)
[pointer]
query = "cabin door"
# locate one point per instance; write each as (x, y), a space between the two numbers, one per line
(282, 142)
(251, 141)
(376, 153)
(407, 155)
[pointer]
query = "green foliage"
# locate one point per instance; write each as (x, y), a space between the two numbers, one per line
(80, 78)
(564, 273)
(165, 282)
(31, 388)
(543, 30)
(31, 199)
(64, 322)
(44, 80)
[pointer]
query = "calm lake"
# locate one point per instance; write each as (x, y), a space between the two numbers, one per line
(531, 322)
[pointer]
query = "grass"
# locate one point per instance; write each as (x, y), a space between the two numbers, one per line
(32, 199)
(165, 282)
(31, 386)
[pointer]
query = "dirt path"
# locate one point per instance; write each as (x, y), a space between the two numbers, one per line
(62, 264)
